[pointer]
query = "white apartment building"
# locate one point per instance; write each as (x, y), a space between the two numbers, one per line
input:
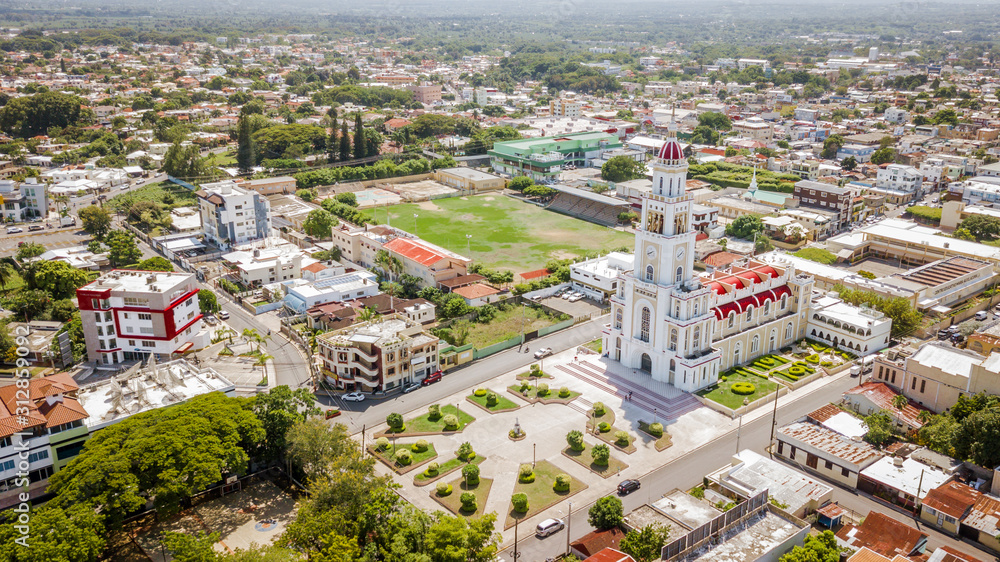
(754, 128)
(565, 107)
(130, 315)
(232, 215)
(896, 115)
(598, 278)
(899, 184)
(302, 295)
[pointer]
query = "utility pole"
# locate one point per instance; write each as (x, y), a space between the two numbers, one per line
(569, 525)
(774, 418)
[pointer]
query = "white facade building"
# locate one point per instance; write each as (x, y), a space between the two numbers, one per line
(900, 184)
(303, 295)
(231, 215)
(598, 278)
(129, 315)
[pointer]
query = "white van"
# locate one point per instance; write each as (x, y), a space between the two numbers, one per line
(549, 526)
(982, 315)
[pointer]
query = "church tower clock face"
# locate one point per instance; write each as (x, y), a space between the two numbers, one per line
(651, 252)
(680, 253)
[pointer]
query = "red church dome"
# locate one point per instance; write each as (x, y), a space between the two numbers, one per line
(671, 150)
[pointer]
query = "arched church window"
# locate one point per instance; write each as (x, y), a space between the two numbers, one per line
(679, 275)
(618, 319)
(649, 273)
(644, 325)
(673, 339)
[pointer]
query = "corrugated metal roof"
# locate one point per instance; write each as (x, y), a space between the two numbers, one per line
(831, 443)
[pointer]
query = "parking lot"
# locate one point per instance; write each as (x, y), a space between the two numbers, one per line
(585, 307)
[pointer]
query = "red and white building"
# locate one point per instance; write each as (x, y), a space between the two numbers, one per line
(130, 315)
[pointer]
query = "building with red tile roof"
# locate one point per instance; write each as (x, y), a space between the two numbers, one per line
(946, 505)
(610, 555)
(596, 541)
(477, 294)
(871, 397)
(883, 535)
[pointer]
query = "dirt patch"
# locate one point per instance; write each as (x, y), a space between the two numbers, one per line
(428, 206)
(488, 199)
(563, 255)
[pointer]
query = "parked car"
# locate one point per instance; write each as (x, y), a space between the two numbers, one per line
(211, 320)
(576, 297)
(628, 486)
(354, 397)
(566, 295)
(410, 387)
(982, 315)
(548, 527)
(35, 227)
(944, 334)
(855, 370)
(14, 230)
(543, 352)
(957, 338)
(431, 378)
(953, 329)
(224, 314)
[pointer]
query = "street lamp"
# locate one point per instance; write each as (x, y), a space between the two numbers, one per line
(468, 244)
(415, 223)
(569, 525)
(740, 428)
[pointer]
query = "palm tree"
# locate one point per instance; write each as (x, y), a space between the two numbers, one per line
(899, 402)
(925, 416)
(251, 334)
(392, 289)
(261, 361)
(368, 313)
(382, 259)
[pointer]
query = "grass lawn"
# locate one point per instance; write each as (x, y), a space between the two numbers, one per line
(507, 324)
(528, 376)
(503, 404)
(444, 469)
(11, 372)
(388, 456)
(586, 459)
(608, 436)
(540, 494)
(178, 196)
(663, 442)
(422, 424)
(453, 501)
(594, 345)
(723, 394)
(506, 233)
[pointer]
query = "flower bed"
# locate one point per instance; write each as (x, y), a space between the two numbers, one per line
(611, 435)
(453, 501)
(425, 425)
(417, 458)
(722, 392)
(449, 466)
(500, 404)
(585, 458)
(551, 397)
(743, 388)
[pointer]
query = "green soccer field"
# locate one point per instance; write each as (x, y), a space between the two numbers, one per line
(506, 233)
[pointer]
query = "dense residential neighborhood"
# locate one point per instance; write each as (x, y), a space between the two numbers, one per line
(385, 286)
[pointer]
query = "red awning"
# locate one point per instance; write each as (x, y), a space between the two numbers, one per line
(184, 348)
(723, 310)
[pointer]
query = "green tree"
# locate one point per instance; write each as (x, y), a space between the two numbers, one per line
(455, 539)
(360, 148)
(622, 168)
(278, 411)
(939, 434)
(183, 162)
(982, 227)
(185, 547)
(246, 156)
(96, 221)
(831, 145)
(165, 454)
(606, 513)
(815, 548)
(73, 534)
(122, 249)
(978, 437)
(348, 198)
(155, 263)
(601, 454)
(520, 183)
(332, 143)
(849, 163)
(58, 278)
(28, 303)
(319, 223)
(28, 116)
(29, 250)
(942, 117)
(208, 303)
(715, 120)
(345, 142)
(745, 226)
(878, 429)
(883, 156)
(646, 544)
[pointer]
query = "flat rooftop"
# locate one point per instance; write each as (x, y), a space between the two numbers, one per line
(470, 174)
(951, 360)
(141, 389)
(140, 281)
(756, 473)
(686, 509)
(749, 541)
(906, 475)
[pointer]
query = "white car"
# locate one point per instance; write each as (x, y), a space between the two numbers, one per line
(543, 352)
(566, 295)
(354, 397)
(576, 297)
(14, 230)
(548, 527)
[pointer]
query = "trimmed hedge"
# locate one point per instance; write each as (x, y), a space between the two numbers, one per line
(743, 388)
(443, 489)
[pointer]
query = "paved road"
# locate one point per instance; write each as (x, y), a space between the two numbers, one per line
(372, 412)
(687, 472)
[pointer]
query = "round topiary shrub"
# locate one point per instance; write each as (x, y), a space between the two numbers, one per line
(797, 371)
(480, 392)
(520, 502)
(562, 483)
(470, 473)
(492, 399)
(432, 469)
(443, 489)
(621, 438)
(420, 446)
(451, 422)
(599, 409)
(743, 388)
(434, 412)
(465, 452)
(395, 422)
(604, 427)
(524, 387)
(575, 440)
(382, 443)
(563, 392)
(723, 379)
(601, 454)
(543, 389)
(826, 363)
(526, 474)
(468, 500)
(403, 457)
(656, 429)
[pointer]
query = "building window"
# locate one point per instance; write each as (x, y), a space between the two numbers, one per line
(788, 331)
(767, 307)
(673, 339)
(749, 313)
(829, 465)
(923, 385)
(618, 319)
(845, 472)
(732, 318)
(679, 275)
(755, 344)
(145, 316)
(696, 345)
(644, 325)
(649, 273)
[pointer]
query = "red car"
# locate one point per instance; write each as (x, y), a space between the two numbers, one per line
(431, 378)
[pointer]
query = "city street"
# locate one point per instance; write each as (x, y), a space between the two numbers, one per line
(686, 472)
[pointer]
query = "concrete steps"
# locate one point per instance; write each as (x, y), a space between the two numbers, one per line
(642, 397)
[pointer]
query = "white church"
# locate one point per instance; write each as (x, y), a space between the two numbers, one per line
(685, 328)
